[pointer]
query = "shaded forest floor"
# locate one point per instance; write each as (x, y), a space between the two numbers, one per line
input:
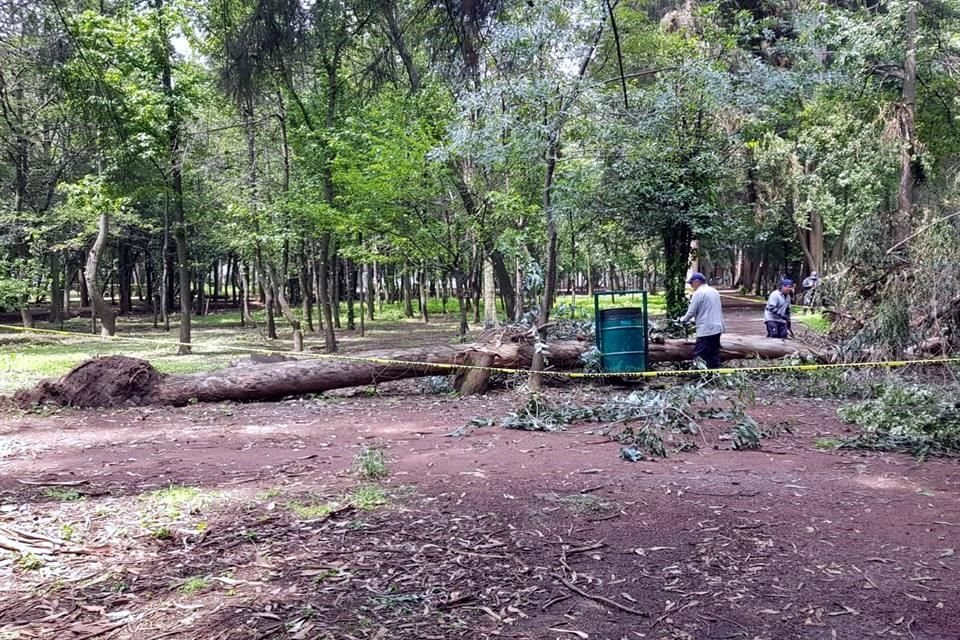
(252, 521)
(256, 522)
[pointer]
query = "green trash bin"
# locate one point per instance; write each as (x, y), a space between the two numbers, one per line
(622, 335)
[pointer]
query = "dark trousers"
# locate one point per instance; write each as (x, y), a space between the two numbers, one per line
(707, 349)
(776, 329)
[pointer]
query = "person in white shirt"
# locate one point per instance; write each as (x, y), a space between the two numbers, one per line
(706, 311)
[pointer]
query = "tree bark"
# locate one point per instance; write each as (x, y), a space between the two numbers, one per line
(407, 297)
(125, 265)
(489, 295)
(108, 321)
(323, 282)
(550, 278)
(245, 317)
(368, 288)
(424, 296)
(285, 308)
(176, 179)
(306, 290)
(56, 288)
(902, 223)
(676, 250)
(351, 274)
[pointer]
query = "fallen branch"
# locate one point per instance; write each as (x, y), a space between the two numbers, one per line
(607, 601)
(35, 543)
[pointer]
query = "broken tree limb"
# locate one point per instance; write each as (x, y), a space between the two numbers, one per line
(123, 381)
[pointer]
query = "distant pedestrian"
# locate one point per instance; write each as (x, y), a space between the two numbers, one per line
(808, 287)
(776, 316)
(706, 311)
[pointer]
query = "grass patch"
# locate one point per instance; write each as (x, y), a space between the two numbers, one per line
(268, 494)
(67, 532)
(312, 511)
(177, 500)
(813, 321)
(193, 585)
(826, 444)
(585, 504)
(161, 533)
(30, 562)
(371, 464)
(369, 497)
(61, 494)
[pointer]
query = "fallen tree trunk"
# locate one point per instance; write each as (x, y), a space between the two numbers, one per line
(732, 347)
(123, 381)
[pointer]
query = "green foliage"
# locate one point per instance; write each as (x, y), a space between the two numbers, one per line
(369, 497)
(371, 464)
(826, 444)
(193, 585)
(62, 494)
(906, 417)
(539, 414)
(814, 321)
(651, 423)
(312, 511)
(176, 500)
(161, 533)
(30, 562)
(746, 434)
(742, 129)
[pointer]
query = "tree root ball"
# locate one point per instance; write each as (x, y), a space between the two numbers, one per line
(113, 381)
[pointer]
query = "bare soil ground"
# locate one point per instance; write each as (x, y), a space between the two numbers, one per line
(251, 522)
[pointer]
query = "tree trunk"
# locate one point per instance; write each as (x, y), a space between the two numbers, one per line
(245, 317)
(56, 289)
(275, 381)
(67, 284)
(676, 250)
(306, 290)
(902, 224)
(489, 295)
(337, 286)
(461, 293)
(125, 274)
(176, 177)
(108, 321)
(368, 288)
(285, 308)
(550, 278)
(518, 290)
(351, 273)
(216, 270)
(84, 292)
(268, 289)
(323, 282)
(424, 296)
(407, 297)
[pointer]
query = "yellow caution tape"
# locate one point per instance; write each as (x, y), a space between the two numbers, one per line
(562, 374)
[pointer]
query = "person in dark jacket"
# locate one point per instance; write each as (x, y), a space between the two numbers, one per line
(776, 315)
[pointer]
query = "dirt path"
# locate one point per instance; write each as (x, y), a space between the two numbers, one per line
(466, 538)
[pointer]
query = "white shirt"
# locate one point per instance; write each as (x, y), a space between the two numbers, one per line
(706, 311)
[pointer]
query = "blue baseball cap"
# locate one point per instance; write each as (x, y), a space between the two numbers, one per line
(786, 282)
(697, 276)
